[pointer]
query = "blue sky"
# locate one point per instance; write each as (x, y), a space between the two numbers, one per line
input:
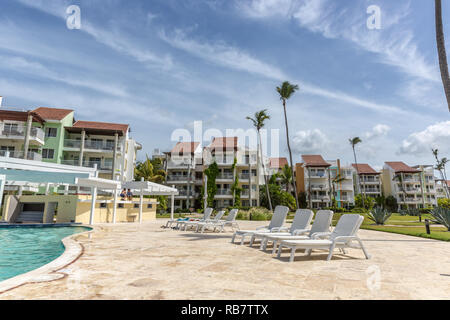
(159, 65)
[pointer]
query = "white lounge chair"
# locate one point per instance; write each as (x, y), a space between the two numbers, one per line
(184, 224)
(302, 220)
(342, 237)
(216, 219)
(276, 224)
(321, 225)
(229, 221)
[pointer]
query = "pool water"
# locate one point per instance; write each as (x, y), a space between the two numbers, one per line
(23, 249)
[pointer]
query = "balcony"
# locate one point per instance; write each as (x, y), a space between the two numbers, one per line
(223, 192)
(20, 155)
(102, 166)
(372, 190)
(18, 132)
(225, 176)
(180, 179)
(90, 145)
(319, 187)
(320, 198)
(184, 194)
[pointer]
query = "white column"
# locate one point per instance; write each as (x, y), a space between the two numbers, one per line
(66, 190)
(2, 189)
(205, 194)
(47, 189)
(94, 200)
(141, 203)
(115, 206)
(20, 192)
(172, 206)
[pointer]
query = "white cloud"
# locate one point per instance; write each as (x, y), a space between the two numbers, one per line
(223, 54)
(309, 141)
(380, 130)
(20, 64)
(434, 136)
(265, 8)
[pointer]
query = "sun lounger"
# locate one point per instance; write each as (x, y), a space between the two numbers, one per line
(302, 220)
(321, 225)
(342, 237)
(230, 221)
(184, 224)
(276, 225)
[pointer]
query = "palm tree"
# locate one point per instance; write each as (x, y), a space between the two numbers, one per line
(146, 170)
(286, 91)
(286, 177)
(440, 166)
(353, 142)
(258, 123)
(399, 177)
(440, 39)
(336, 180)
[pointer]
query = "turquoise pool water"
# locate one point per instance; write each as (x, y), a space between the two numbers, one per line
(23, 249)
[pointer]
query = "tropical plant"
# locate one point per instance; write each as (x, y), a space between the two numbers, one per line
(353, 142)
(150, 170)
(235, 189)
(286, 177)
(442, 215)
(286, 91)
(440, 166)
(278, 197)
(302, 200)
(379, 215)
(391, 203)
(258, 123)
(445, 203)
(360, 203)
(211, 189)
(440, 40)
(334, 182)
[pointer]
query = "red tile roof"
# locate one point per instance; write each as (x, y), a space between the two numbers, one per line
(448, 183)
(123, 128)
(277, 162)
(314, 161)
(185, 147)
(52, 113)
(19, 116)
(364, 168)
(224, 143)
(401, 167)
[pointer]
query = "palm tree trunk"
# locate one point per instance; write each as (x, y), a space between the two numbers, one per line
(440, 39)
(260, 154)
(290, 154)
(359, 178)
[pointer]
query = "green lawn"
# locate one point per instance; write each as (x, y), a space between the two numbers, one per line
(437, 233)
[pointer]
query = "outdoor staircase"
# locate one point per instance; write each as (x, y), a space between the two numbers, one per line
(30, 217)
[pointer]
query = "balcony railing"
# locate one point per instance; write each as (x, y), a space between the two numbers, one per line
(90, 145)
(89, 164)
(19, 132)
(223, 192)
(179, 178)
(20, 155)
(225, 176)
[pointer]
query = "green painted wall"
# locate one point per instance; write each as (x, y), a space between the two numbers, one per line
(57, 143)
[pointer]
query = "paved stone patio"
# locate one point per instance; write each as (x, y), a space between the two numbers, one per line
(131, 261)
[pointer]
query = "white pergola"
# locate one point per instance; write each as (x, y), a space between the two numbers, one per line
(146, 188)
(33, 174)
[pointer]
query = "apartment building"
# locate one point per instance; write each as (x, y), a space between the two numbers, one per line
(313, 176)
(367, 181)
(53, 135)
(428, 185)
(404, 183)
(442, 188)
(184, 167)
(186, 163)
(342, 183)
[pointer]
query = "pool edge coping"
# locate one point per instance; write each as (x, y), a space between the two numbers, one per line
(51, 271)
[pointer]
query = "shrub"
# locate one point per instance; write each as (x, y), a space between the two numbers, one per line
(379, 215)
(444, 203)
(442, 215)
(359, 210)
(391, 203)
(278, 197)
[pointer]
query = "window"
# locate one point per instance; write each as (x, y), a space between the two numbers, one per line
(51, 132)
(149, 206)
(103, 205)
(48, 153)
(120, 205)
(136, 205)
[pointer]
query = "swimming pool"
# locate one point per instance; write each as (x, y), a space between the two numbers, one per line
(25, 248)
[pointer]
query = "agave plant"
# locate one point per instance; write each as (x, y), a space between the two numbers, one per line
(379, 215)
(442, 215)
